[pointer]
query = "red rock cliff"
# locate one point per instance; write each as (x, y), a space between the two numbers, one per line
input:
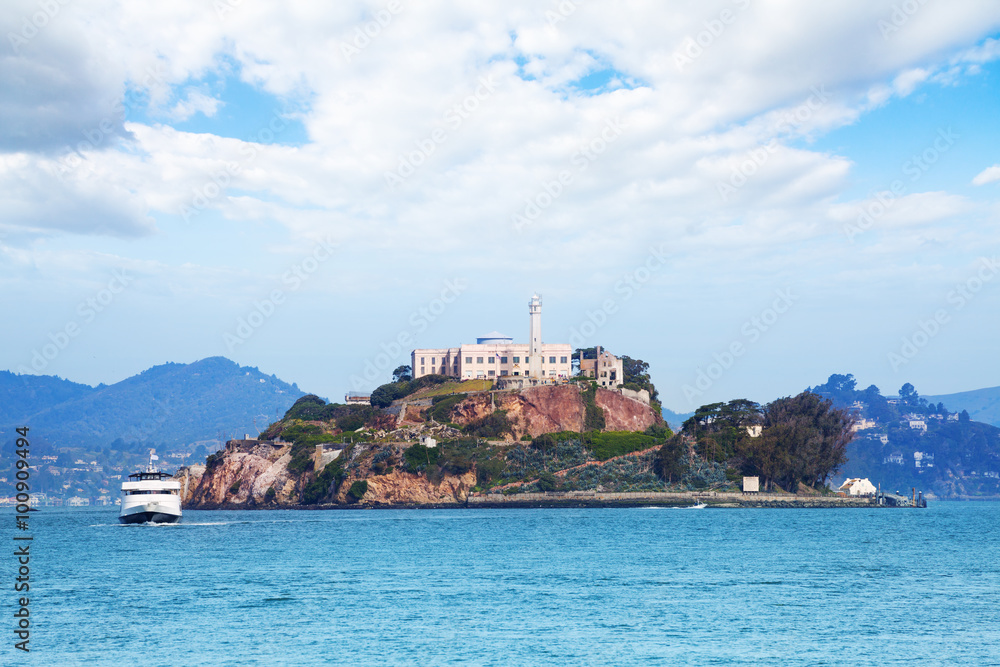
(548, 409)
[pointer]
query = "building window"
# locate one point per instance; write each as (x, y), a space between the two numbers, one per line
(479, 360)
(421, 361)
(491, 360)
(468, 360)
(543, 373)
(433, 360)
(552, 360)
(503, 360)
(562, 360)
(526, 359)
(517, 360)
(517, 372)
(503, 372)
(492, 373)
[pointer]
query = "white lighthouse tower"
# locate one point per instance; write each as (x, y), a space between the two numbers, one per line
(535, 337)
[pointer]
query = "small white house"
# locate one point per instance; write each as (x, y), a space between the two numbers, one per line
(857, 486)
(428, 442)
(896, 458)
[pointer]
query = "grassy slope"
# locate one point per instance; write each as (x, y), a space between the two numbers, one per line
(468, 386)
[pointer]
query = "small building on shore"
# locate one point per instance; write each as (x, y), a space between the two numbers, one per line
(858, 486)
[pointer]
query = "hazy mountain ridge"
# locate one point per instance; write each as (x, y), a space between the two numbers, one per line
(983, 405)
(170, 404)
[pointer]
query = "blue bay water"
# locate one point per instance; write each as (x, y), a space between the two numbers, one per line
(517, 587)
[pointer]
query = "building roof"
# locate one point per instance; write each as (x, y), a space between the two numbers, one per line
(494, 336)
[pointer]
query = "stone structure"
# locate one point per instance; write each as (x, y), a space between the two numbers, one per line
(357, 398)
(607, 369)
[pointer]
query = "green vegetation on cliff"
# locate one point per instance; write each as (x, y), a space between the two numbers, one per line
(383, 396)
(326, 483)
(593, 418)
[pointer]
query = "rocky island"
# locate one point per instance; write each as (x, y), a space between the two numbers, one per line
(438, 442)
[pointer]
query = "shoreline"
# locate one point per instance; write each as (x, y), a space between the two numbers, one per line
(710, 499)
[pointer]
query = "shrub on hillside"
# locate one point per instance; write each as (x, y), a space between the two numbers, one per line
(326, 483)
(416, 458)
(357, 490)
(442, 407)
(616, 443)
(384, 395)
(495, 425)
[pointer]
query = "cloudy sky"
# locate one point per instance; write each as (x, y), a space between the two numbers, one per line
(748, 194)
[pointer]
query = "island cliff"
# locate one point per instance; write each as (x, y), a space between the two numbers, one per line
(309, 457)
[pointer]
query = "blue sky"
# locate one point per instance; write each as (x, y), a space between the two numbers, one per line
(707, 186)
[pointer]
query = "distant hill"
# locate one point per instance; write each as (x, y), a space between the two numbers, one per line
(912, 441)
(675, 419)
(983, 405)
(171, 404)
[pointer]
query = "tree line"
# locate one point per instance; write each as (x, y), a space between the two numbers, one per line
(790, 440)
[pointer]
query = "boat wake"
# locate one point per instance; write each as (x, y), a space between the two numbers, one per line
(699, 506)
(148, 524)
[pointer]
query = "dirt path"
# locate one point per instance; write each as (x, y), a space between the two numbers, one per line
(562, 473)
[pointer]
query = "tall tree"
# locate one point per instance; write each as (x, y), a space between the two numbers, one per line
(810, 437)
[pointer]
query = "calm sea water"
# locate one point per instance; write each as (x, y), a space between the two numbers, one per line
(517, 587)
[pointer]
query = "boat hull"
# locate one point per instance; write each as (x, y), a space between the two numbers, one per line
(162, 508)
(149, 517)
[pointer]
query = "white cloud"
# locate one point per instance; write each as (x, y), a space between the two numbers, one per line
(685, 130)
(988, 175)
(194, 102)
(906, 82)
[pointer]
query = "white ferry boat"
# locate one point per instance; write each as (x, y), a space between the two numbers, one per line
(149, 498)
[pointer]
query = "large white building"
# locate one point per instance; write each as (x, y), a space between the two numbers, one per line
(496, 355)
